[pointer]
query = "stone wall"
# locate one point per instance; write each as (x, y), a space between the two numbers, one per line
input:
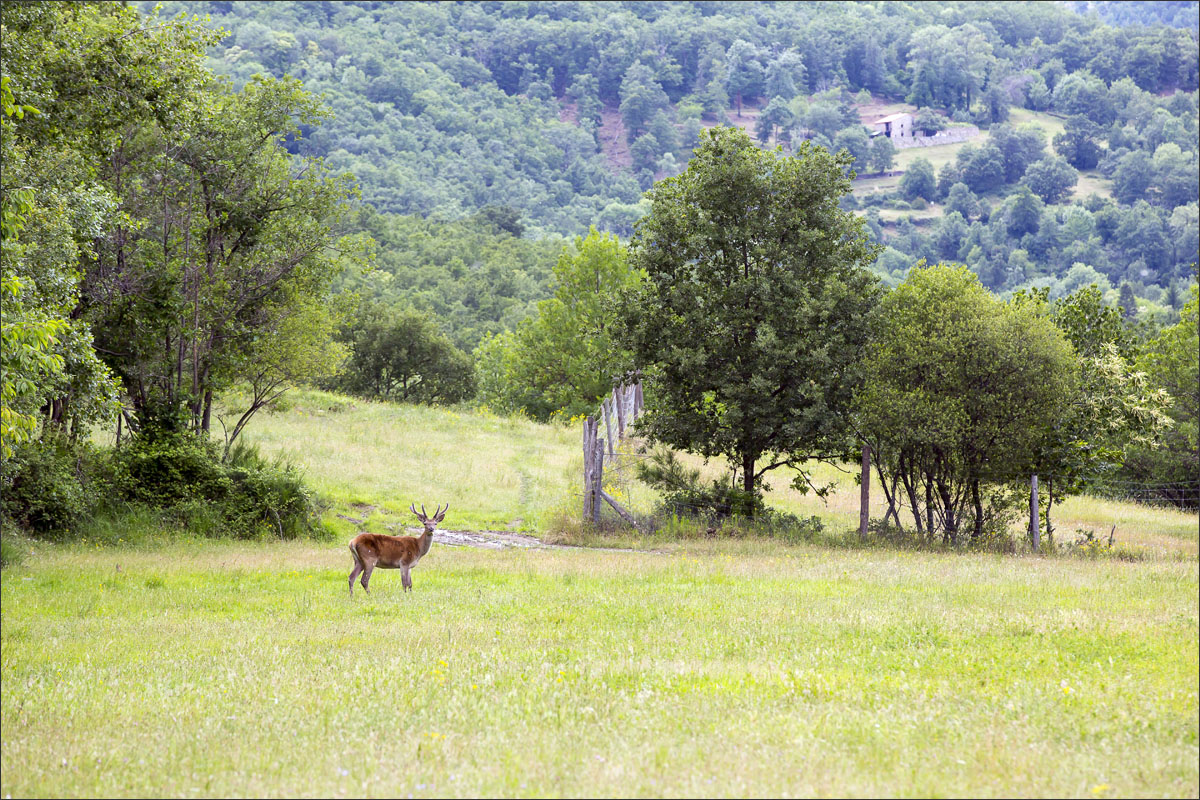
(960, 133)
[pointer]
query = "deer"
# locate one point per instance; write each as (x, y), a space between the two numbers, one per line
(371, 550)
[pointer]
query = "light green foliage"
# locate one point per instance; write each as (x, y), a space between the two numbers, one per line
(47, 358)
(719, 670)
(1171, 363)
(563, 360)
(958, 388)
(1111, 405)
(753, 312)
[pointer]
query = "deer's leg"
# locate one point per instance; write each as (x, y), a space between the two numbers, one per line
(406, 578)
(368, 568)
(358, 567)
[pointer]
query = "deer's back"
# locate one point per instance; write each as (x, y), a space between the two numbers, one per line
(390, 551)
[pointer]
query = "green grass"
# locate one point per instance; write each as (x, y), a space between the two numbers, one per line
(178, 666)
(370, 460)
(724, 669)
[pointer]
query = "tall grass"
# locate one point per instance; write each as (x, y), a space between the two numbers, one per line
(370, 460)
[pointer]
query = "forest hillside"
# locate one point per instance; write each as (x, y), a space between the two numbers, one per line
(1084, 168)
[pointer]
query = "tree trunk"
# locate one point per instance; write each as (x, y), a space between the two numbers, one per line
(748, 460)
(207, 411)
(978, 503)
(948, 506)
(929, 502)
(1049, 503)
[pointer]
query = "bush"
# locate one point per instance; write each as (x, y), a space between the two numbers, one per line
(685, 494)
(163, 478)
(50, 485)
(162, 467)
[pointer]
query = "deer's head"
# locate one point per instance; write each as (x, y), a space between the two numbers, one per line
(429, 522)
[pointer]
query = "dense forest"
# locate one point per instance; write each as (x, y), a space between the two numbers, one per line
(566, 112)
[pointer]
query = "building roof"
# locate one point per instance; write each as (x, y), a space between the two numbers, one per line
(893, 118)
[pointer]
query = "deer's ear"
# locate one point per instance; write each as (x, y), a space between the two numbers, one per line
(441, 515)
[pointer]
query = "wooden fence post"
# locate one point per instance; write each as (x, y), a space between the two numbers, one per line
(606, 407)
(589, 428)
(620, 407)
(597, 481)
(864, 500)
(1035, 529)
(638, 402)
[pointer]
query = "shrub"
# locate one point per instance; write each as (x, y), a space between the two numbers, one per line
(50, 484)
(685, 494)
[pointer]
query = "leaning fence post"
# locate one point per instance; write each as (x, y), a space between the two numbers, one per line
(1035, 530)
(864, 500)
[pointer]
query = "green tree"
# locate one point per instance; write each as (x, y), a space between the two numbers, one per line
(929, 122)
(981, 168)
(1128, 302)
(961, 200)
(957, 385)
(776, 116)
(750, 323)
(1079, 142)
(1170, 360)
(401, 354)
(1019, 147)
(566, 358)
(855, 140)
(641, 98)
(1111, 406)
(883, 154)
(1051, 179)
(919, 181)
(744, 72)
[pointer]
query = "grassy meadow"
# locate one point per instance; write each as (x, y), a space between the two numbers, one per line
(182, 667)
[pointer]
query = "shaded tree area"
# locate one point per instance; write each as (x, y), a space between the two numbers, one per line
(158, 251)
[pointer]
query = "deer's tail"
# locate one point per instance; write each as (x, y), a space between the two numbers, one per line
(354, 552)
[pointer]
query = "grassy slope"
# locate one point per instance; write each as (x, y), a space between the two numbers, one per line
(500, 473)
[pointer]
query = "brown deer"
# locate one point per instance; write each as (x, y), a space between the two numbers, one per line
(371, 550)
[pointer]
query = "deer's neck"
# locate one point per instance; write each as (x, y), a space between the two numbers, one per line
(424, 541)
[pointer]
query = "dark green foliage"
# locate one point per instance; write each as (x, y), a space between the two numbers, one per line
(181, 473)
(1128, 302)
(1051, 179)
(51, 485)
(919, 181)
(981, 168)
(1079, 143)
(686, 494)
(1019, 147)
(752, 317)
(401, 354)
